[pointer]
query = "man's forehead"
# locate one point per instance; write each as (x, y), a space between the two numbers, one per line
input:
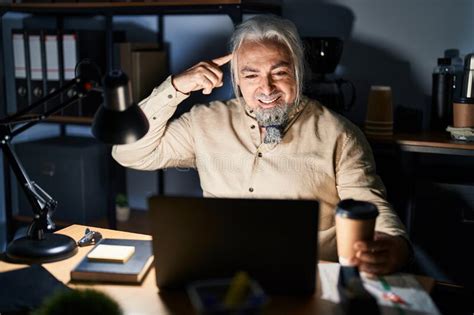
(251, 52)
(276, 65)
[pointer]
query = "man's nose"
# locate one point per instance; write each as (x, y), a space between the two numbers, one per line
(267, 85)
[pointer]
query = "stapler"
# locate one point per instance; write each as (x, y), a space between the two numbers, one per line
(355, 299)
(89, 238)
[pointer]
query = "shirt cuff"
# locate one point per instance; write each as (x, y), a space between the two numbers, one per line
(165, 95)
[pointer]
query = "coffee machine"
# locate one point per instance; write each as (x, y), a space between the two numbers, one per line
(323, 55)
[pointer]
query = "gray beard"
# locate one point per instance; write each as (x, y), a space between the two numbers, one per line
(274, 121)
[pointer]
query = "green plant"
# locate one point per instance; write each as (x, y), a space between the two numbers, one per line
(121, 200)
(79, 302)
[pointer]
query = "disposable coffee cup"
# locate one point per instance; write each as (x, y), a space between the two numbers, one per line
(355, 221)
(379, 117)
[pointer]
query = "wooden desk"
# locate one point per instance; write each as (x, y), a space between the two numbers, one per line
(146, 298)
(429, 182)
(426, 142)
(405, 152)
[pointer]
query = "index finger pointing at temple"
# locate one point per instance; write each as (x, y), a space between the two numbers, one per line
(222, 60)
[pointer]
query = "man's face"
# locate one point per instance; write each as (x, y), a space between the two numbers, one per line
(265, 74)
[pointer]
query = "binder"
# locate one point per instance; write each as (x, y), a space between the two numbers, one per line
(70, 59)
(149, 70)
(52, 67)
(44, 60)
(21, 86)
(145, 64)
(91, 45)
(36, 68)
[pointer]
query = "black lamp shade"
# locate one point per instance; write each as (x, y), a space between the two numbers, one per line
(119, 127)
(119, 120)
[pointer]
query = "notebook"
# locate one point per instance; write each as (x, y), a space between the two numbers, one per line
(274, 241)
(125, 270)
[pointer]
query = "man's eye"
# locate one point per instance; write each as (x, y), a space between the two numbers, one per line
(281, 73)
(251, 76)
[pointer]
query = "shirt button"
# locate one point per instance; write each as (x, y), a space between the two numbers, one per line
(251, 189)
(252, 127)
(170, 96)
(260, 154)
(154, 118)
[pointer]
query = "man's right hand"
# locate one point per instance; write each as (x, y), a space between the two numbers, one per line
(204, 76)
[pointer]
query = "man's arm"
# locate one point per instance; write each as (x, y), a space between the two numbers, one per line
(161, 147)
(357, 179)
(170, 144)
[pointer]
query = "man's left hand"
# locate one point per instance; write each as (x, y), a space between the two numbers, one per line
(385, 254)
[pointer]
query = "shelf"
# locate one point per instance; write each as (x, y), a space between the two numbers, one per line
(81, 120)
(145, 8)
(70, 120)
(426, 142)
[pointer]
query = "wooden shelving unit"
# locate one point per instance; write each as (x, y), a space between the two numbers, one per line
(232, 8)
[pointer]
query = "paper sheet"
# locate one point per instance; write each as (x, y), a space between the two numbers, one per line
(405, 285)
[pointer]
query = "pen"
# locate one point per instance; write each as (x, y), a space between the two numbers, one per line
(387, 292)
(237, 291)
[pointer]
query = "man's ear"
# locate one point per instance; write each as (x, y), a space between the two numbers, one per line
(236, 79)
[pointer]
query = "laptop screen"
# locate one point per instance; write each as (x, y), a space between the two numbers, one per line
(274, 241)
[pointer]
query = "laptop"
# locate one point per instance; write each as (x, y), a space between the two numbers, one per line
(274, 241)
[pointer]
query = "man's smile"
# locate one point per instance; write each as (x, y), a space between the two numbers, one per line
(269, 102)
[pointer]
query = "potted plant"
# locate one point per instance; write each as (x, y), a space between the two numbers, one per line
(79, 301)
(122, 210)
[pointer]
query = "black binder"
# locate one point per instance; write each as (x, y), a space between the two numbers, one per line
(50, 43)
(21, 86)
(67, 67)
(36, 68)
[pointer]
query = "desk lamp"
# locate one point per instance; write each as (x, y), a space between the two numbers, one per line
(117, 121)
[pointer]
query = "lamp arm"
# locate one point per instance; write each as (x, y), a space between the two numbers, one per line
(47, 201)
(43, 204)
(83, 88)
(36, 119)
(18, 117)
(41, 209)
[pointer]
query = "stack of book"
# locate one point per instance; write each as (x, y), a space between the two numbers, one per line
(115, 260)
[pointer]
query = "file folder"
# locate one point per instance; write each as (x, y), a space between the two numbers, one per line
(150, 68)
(36, 68)
(21, 86)
(52, 67)
(70, 59)
(145, 64)
(91, 45)
(46, 59)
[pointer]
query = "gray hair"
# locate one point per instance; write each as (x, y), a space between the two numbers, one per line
(269, 27)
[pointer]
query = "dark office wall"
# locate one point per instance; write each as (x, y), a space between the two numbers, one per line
(388, 42)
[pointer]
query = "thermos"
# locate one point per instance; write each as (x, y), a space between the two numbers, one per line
(463, 107)
(458, 63)
(442, 94)
(468, 84)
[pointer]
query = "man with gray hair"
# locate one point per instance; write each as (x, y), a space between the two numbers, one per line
(270, 141)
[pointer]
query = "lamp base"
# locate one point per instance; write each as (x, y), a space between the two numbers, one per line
(53, 247)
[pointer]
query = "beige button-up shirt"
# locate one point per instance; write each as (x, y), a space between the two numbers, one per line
(322, 156)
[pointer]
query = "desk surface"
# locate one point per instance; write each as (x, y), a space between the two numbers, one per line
(426, 142)
(146, 299)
